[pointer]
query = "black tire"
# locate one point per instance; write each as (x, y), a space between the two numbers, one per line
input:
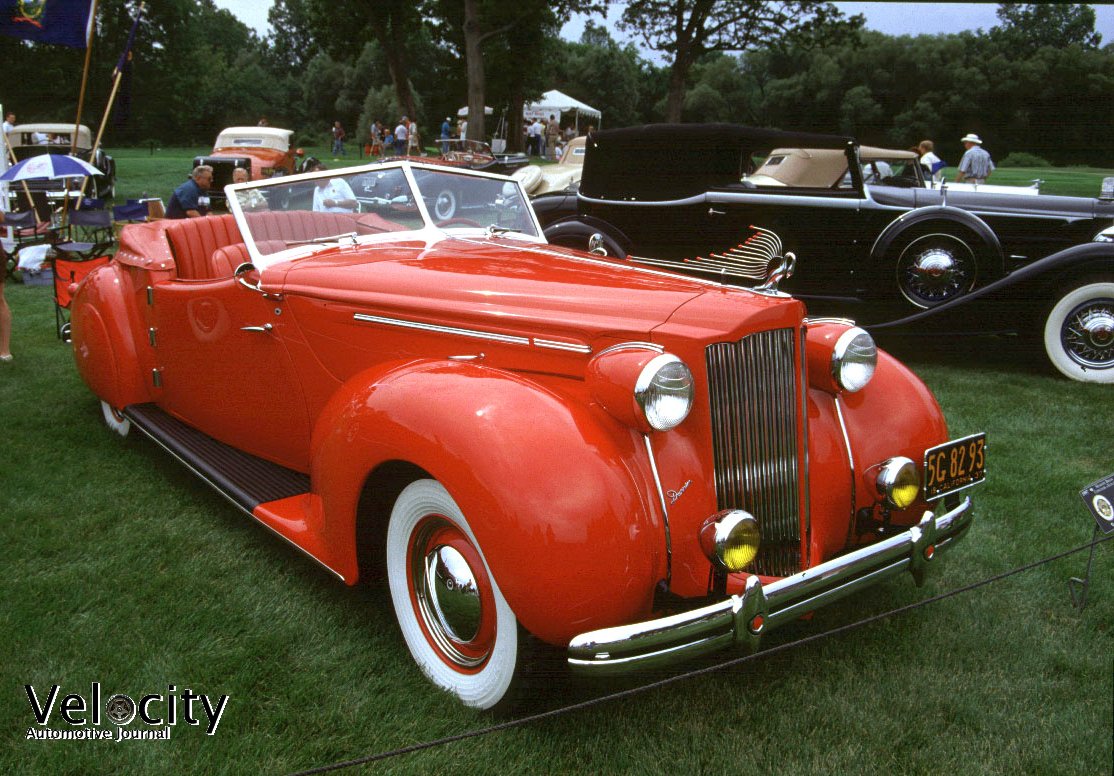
(934, 266)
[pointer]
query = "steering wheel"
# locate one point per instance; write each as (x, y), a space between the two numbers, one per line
(457, 222)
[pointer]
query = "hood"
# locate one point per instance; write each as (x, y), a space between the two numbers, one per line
(506, 287)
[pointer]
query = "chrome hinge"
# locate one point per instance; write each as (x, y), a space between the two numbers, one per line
(152, 337)
(156, 377)
(150, 295)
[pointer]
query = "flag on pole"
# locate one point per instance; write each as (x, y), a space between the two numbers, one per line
(65, 22)
(123, 70)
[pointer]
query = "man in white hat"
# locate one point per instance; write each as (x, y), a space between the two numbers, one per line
(976, 164)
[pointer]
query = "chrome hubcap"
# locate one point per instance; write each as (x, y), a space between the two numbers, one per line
(447, 596)
(934, 269)
(1088, 334)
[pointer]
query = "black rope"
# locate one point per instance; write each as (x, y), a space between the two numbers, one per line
(521, 721)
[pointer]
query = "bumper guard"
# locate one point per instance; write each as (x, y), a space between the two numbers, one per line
(744, 618)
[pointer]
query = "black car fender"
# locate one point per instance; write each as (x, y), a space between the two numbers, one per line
(989, 243)
(576, 231)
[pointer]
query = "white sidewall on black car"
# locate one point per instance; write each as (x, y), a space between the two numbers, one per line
(486, 681)
(1079, 333)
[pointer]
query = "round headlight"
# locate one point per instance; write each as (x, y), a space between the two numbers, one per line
(853, 359)
(898, 482)
(664, 392)
(731, 539)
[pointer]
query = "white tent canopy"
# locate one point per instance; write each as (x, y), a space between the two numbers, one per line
(554, 103)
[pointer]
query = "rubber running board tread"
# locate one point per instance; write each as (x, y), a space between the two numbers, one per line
(244, 479)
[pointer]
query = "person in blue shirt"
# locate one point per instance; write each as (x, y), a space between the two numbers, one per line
(191, 199)
(976, 164)
(446, 134)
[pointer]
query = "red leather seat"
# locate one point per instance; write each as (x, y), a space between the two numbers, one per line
(224, 261)
(193, 241)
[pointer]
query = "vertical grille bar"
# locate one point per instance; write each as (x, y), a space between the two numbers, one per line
(753, 389)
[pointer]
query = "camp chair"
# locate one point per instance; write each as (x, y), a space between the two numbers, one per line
(26, 230)
(84, 235)
(69, 272)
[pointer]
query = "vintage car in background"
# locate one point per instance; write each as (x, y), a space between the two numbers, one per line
(887, 242)
(1063, 303)
(29, 140)
(477, 155)
(537, 179)
(628, 463)
(263, 151)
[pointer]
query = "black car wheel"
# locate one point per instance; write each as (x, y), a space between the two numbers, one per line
(1079, 332)
(934, 268)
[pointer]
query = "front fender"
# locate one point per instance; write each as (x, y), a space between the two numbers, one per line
(557, 493)
(575, 231)
(989, 243)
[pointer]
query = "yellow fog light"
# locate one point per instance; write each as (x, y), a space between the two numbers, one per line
(731, 539)
(898, 482)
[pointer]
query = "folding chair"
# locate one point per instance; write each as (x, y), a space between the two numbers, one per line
(69, 272)
(80, 246)
(26, 230)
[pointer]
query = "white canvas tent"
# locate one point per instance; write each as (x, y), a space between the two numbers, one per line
(463, 112)
(554, 103)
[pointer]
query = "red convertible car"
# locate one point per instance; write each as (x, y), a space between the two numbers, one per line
(527, 441)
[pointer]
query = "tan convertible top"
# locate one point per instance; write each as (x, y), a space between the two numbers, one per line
(815, 167)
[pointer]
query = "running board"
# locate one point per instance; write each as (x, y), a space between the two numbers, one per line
(245, 480)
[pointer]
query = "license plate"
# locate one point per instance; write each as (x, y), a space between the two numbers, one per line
(954, 466)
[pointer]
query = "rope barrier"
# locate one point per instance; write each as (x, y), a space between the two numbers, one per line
(562, 710)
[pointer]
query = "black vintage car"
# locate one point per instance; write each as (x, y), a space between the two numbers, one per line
(862, 222)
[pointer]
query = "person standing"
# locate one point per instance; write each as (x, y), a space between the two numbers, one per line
(976, 164)
(552, 136)
(191, 199)
(402, 136)
(413, 140)
(338, 139)
(932, 163)
(5, 311)
(375, 139)
(446, 134)
(9, 123)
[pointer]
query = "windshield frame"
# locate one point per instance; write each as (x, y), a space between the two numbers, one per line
(429, 232)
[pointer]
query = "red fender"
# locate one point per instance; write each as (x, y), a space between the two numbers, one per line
(558, 494)
(104, 347)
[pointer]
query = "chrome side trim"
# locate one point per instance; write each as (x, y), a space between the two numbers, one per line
(850, 461)
(633, 346)
(743, 618)
(664, 509)
(803, 377)
(475, 333)
(571, 347)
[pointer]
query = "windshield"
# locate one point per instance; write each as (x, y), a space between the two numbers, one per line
(373, 204)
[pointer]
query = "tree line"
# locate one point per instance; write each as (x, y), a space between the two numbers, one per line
(1039, 82)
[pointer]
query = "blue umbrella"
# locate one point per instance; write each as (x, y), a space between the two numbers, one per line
(50, 166)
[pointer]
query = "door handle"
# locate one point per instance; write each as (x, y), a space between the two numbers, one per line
(264, 328)
(713, 212)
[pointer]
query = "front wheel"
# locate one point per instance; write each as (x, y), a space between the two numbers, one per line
(1079, 333)
(444, 205)
(935, 268)
(457, 625)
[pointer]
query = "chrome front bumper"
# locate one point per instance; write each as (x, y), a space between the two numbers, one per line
(744, 618)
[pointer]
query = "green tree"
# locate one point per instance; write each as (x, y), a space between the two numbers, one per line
(685, 30)
(1030, 26)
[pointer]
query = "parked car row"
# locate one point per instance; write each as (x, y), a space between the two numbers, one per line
(871, 239)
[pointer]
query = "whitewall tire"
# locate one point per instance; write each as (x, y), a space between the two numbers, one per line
(455, 621)
(1079, 333)
(114, 420)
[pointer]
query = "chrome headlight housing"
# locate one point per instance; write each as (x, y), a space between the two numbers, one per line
(854, 358)
(898, 483)
(664, 391)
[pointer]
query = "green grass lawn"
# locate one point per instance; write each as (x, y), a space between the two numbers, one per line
(121, 568)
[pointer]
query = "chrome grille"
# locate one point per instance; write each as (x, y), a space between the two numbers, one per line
(755, 406)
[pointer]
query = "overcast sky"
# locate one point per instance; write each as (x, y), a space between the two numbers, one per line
(890, 18)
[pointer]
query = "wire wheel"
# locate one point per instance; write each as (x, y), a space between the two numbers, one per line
(935, 268)
(1079, 333)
